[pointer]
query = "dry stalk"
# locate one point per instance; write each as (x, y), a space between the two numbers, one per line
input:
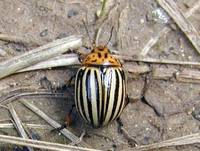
(18, 124)
(53, 123)
(184, 140)
(35, 126)
(59, 61)
(154, 40)
(185, 25)
(42, 53)
(188, 75)
(41, 144)
(165, 30)
(157, 61)
(3, 106)
(23, 92)
(72, 60)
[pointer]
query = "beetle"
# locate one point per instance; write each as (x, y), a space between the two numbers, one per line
(100, 88)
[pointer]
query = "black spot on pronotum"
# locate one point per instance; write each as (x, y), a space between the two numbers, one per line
(99, 55)
(94, 60)
(106, 55)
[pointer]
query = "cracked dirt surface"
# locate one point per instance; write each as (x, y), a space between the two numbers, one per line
(168, 109)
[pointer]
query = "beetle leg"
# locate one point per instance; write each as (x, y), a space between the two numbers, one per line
(81, 54)
(120, 124)
(80, 138)
(69, 116)
(69, 82)
(68, 120)
(127, 100)
(59, 128)
(125, 134)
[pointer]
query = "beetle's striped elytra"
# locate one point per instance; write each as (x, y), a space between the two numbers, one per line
(100, 88)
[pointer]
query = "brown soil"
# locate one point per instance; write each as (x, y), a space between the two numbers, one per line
(168, 109)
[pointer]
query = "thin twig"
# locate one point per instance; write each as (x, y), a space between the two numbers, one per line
(3, 106)
(165, 30)
(23, 92)
(185, 25)
(184, 140)
(80, 139)
(53, 123)
(156, 61)
(154, 40)
(103, 14)
(129, 138)
(188, 75)
(18, 124)
(35, 126)
(42, 53)
(102, 11)
(41, 144)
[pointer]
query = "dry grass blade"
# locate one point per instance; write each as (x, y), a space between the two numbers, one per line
(188, 75)
(41, 144)
(63, 60)
(23, 92)
(35, 126)
(105, 7)
(42, 53)
(157, 61)
(165, 30)
(53, 123)
(185, 140)
(173, 10)
(72, 59)
(18, 124)
(153, 41)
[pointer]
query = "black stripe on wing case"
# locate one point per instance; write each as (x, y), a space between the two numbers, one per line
(89, 99)
(97, 83)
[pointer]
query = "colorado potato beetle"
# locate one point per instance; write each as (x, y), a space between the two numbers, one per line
(100, 87)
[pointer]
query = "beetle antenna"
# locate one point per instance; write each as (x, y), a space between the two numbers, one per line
(111, 32)
(86, 29)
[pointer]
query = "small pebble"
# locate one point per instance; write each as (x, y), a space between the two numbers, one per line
(196, 114)
(189, 57)
(142, 21)
(147, 129)
(44, 33)
(72, 13)
(43, 9)
(158, 15)
(2, 52)
(135, 38)
(45, 83)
